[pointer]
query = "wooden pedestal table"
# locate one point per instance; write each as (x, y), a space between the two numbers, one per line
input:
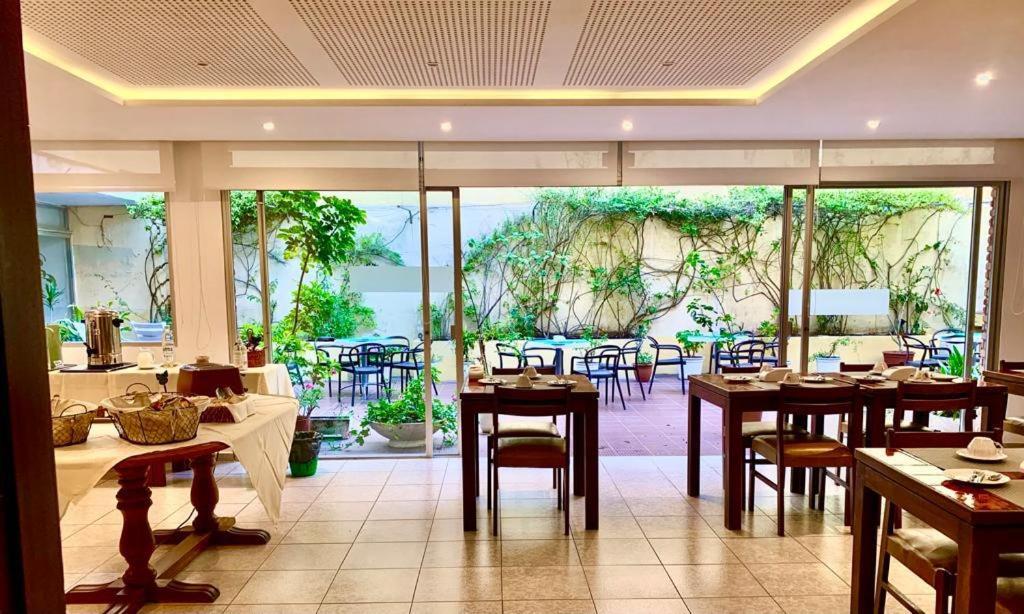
(144, 582)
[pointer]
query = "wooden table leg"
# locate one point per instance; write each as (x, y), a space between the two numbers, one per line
(693, 446)
(876, 423)
(579, 456)
(138, 585)
(977, 570)
(591, 467)
(470, 465)
(732, 466)
(797, 476)
(157, 474)
(866, 508)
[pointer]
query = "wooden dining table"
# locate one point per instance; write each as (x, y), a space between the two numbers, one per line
(477, 399)
(736, 398)
(984, 522)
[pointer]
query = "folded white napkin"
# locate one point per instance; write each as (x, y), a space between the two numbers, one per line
(880, 366)
(524, 381)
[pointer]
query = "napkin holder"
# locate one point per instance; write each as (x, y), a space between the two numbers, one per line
(899, 374)
(524, 381)
(476, 372)
(774, 375)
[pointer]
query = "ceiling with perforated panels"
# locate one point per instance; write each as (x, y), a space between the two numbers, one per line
(463, 52)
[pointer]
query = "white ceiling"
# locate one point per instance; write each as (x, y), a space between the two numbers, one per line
(913, 72)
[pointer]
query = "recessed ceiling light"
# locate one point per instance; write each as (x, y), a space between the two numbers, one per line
(432, 63)
(627, 125)
(446, 126)
(269, 126)
(202, 64)
(983, 78)
(873, 124)
(668, 63)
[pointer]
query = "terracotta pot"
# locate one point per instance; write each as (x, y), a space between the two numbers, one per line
(303, 424)
(256, 358)
(896, 358)
(644, 372)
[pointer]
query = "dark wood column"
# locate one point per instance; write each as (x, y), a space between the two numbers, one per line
(31, 577)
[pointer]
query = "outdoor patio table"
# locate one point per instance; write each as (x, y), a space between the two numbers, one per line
(736, 398)
(478, 399)
(984, 522)
(559, 346)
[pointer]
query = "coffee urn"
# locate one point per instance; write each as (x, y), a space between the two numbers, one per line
(103, 337)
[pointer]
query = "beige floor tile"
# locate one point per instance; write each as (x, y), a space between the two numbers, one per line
(733, 605)
(617, 552)
(350, 493)
(372, 586)
(829, 604)
(103, 535)
(231, 558)
(395, 531)
(612, 527)
(403, 510)
(229, 583)
(697, 551)
(540, 583)
(276, 531)
(306, 586)
(770, 550)
(641, 606)
(530, 528)
(431, 476)
(530, 508)
(463, 607)
(338, 532)
(82, 559)
(459, 584)
(462, 554)
(319, 511)
(392, 555)
(364, 608)
(360, 478)
(410, 492)
(551, 606)
(658, 527)
(450, 529)
(176, 608)
(538, 553)
(660, 506)
(798, 579)
(630, 582)
(714, 581)
(277, 608)
(751, 525)
(356, 466)
(303, 493)
(306, 556)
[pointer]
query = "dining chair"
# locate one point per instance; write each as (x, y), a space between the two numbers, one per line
(627, 363)
(942, 339)
(508, 352)
(601, 364)
(541, 370)
(533, 354)
(923, 398)
(722, 351)
(807, 450)
(855, 367)
(410, 365)
(545, 452)
(913, 345)
(364, 361)
(673, 356)
(749, 353)
(1009, 366)
(923, 550)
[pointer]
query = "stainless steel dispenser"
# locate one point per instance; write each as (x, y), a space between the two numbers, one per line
(103, 337)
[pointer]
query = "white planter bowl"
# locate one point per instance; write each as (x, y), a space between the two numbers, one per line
(692, 365)
(410, 435)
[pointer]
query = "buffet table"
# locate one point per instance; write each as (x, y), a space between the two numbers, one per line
(94, 387)
(261, 444)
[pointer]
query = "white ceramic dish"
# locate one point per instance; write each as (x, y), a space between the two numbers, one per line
(491, 381)
(567, 383)
(816, 379)
(964, 453)
(976, 477)
(738, 378)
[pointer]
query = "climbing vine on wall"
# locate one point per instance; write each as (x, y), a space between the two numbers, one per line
(152, 210)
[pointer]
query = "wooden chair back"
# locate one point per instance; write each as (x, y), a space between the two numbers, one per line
(1011, 365)
(925, 439)
(855, 367)
(935, 396)
(820, 401)
(541, 370)
(726, 369)
(530, 402)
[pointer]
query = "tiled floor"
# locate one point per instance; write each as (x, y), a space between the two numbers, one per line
(385, 537)
(652, 427)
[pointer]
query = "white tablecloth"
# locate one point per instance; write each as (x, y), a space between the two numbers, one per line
(261, 443)
(94, 387)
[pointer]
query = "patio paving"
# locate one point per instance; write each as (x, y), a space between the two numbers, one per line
(652, 427)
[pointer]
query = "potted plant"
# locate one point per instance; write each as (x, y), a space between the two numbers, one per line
(402, 421)
(256, 356)
(827, 361)
(644, 366)
(305, 452)
(693, 360)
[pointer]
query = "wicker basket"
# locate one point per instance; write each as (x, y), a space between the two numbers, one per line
(72, 428)
(171, 419)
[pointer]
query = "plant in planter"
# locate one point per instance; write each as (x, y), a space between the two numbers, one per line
(693, 360)
(311, 393)
(402, 421)
(827, 361)
(256, 355)
(644, 366)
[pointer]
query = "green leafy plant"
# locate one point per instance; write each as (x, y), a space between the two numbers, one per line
(952, 314)
(329, 310)
(441, 316)
(409, 408)
(769, 329)
(52, 294)
(690, 348)
(152, 210)
(833, 348)
(644, 358)
(312, 391)
(373, 250)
